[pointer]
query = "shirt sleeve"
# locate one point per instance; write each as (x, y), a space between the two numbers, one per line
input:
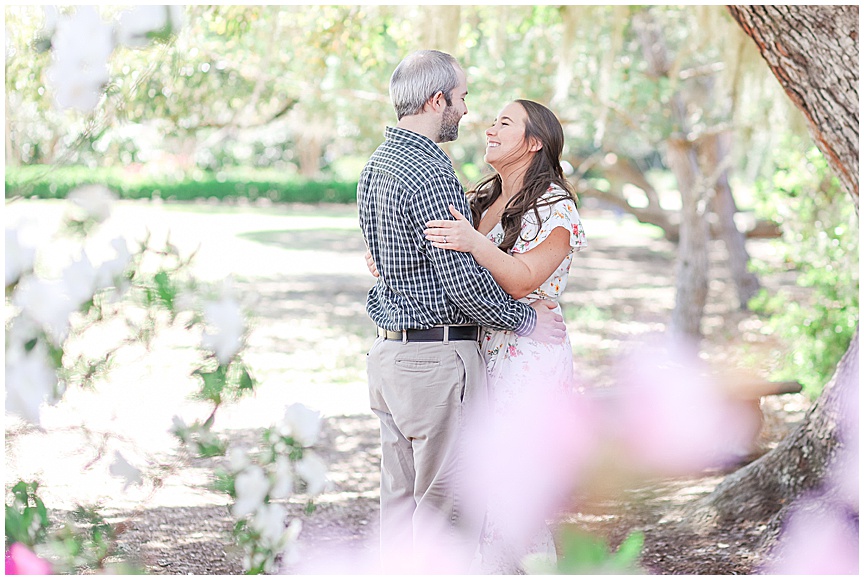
(469, 285)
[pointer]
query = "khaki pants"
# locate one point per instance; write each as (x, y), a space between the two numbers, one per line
(423, 393)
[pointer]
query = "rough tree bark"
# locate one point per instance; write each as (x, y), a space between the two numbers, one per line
(691, 277)
(813, 52)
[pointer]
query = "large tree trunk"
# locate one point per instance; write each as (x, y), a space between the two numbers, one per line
(813, 52)
(761, 489)
(691, 280)
(691, 277)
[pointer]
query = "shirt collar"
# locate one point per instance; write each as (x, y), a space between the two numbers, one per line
(410, 138)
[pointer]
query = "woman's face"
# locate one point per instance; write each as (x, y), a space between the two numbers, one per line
(505, 139)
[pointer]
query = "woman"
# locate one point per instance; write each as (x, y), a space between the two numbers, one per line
(527, 227)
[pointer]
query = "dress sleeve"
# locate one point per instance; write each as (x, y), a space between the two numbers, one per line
(562, 214)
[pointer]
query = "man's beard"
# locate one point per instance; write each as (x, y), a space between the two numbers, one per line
(449, 129)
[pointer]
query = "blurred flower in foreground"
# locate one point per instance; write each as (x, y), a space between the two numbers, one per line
(313, 471)
(80, 49)
(251, 487)
(525, 460)
(818, 538)
(302, 424)
(20, 560)
(95, 201)
(30, 381)
(672, 417)
(226, 320)
(48, 303)
(19, 255)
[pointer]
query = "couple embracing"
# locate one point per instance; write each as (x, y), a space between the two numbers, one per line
(465, 305)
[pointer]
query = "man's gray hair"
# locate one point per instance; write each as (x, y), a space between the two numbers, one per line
(420, 76)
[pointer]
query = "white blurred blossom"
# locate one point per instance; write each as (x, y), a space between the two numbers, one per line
(225, 321)
(313, 471)
(290, 554)
(178, 423)
(48, 303)
(301, 423)
(134, 25)
(269, 521)
(49, 21)
(30, 381)
(238, 458)
(125, 470)
(80, 49)
(19, 331)
(20, 256)
(251, 487)
(79, 279)
(283, 486)
(95, 200)
(111, 270)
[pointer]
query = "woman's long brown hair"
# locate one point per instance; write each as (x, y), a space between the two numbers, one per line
(544, 170)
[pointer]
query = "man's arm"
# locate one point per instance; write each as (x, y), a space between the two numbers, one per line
(518, 274)
(470, 286)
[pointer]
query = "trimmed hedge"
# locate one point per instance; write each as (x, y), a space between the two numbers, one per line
(48, 182)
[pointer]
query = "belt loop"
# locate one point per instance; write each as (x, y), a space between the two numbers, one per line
(404, 337)
(446, 334)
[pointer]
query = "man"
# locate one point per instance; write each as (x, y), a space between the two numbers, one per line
(425, 369)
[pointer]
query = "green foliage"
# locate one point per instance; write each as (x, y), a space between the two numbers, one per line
(56, 182)
(26, 517)
(820, 244)
(584, 553)
(84, 541)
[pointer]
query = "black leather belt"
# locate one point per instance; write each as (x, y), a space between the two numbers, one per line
(434, 334)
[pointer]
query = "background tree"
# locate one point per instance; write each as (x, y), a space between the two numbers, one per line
(813, 52)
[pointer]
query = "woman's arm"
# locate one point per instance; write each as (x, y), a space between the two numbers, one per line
(517, 274)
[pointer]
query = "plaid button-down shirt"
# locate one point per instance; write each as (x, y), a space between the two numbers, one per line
(408, 181)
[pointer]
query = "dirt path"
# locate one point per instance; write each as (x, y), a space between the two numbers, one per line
(301, 272)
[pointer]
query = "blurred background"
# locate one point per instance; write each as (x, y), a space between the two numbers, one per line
(267, 104)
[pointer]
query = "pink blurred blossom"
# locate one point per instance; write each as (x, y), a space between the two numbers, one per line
(524, 461)
(672, 417)
(817, 538)
(20, 560)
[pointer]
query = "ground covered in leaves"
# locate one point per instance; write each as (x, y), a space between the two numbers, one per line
(302, 270)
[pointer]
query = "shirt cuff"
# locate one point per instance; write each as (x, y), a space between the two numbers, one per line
(528, 324)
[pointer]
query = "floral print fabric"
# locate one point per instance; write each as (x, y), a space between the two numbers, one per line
(516, 363)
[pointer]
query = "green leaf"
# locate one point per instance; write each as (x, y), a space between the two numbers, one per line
(629, 551)
(247, 383)
(165, 289)
(214, 383)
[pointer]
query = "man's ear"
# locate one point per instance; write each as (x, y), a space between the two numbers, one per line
(435, 102)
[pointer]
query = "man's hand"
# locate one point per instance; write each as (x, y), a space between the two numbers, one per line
(550, 325)
(370, 263)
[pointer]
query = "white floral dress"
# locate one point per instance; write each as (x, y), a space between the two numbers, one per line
(516, 363)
